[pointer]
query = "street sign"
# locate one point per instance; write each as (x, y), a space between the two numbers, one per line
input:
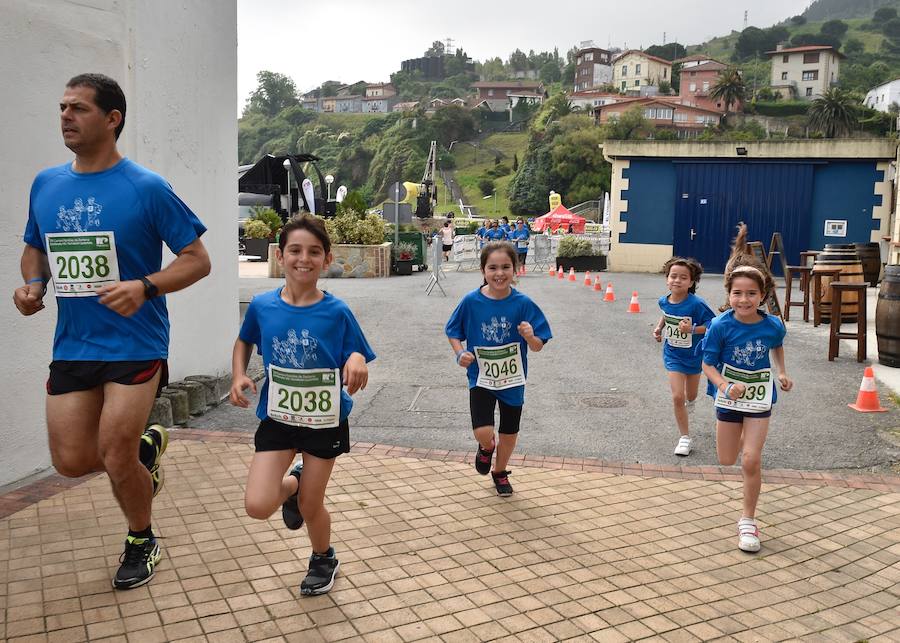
(397, 192)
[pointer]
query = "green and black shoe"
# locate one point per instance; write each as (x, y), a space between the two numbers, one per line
(139, 560)
(154, 441)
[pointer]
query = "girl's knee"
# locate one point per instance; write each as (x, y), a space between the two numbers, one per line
(258, 509)
(750, 463)
(310, 507)
(727, 460)
(678, 399)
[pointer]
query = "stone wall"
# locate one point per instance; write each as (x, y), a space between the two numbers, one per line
(350, 261)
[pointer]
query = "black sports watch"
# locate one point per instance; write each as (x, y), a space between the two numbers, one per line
(150, 290)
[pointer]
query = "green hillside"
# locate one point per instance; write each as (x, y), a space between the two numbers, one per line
(846, 9)
(470, 170)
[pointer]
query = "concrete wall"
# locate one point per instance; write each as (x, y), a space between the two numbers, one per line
(176, 63)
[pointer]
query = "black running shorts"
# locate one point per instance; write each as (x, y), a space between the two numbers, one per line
(727, 415)
(481, 407)
(321, 443)
(71, 376)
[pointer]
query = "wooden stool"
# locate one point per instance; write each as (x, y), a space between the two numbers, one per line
(817, 292)
(804, 272)
(838, 288)
(806, 256)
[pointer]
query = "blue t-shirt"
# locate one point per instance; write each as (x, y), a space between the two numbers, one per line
(685, 360)
(746, 346)
(139, 207)
(495, 234)
(322, 335)
(481, 321)
(505, 228)
(516, 235)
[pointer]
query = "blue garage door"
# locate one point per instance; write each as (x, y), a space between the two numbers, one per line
(711, 198)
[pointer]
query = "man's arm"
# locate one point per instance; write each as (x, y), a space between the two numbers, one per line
(29, 298)
(190, 266)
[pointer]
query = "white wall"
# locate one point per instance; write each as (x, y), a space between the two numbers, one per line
(176, 63)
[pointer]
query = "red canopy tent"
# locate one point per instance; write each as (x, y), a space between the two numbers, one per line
(560, 217)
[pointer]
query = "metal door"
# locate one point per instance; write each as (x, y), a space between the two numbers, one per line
(711, 198)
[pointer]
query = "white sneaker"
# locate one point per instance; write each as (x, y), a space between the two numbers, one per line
(748, 535)
(684, 445)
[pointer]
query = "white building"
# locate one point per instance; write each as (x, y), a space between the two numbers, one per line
(804, 72)
(884, 95)
(176, 63)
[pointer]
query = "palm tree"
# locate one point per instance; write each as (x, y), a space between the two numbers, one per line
(833, 113)
(729, 88)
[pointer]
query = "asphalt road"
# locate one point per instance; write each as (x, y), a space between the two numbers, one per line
(597, 390)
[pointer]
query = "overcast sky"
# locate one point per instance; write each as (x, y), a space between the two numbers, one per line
(351, 40)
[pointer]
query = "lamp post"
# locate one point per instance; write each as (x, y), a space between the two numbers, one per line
(328, 181)
(287, 169)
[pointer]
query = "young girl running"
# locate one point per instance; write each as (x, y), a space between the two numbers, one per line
(684, 316)
(312, 347)
(499, 324)
(736, 362)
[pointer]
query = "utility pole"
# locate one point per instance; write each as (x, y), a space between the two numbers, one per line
(448, 47)
(745, 18)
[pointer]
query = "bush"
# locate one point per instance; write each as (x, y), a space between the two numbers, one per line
(486, 186)
(350, 227)
(256, 229)
(404, 251)
(782, 108)
(572, 246)
(472, 227)
(267, 216)
(498, 170)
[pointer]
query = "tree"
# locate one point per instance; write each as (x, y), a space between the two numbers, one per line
(518, 61)
(273, 93)
(729, 88)
(834, 113)
(891, 28)
(820, 39)
(550, 72)
(853, 46)
(752, 42)
(515, 166)
(669, 51)
(330, 88)
(836, 28)
(579, 172)
(630, 125)
(436, 49)
(884, 14)
(798, 20)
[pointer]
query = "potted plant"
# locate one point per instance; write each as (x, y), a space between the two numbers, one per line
(403, 258)
(578, 253)
(256, 240)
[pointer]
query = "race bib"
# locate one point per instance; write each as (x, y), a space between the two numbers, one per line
(309, 397)
(82, 262)
(522, 243)
(500, 367)
(674, 337)
(757, 396)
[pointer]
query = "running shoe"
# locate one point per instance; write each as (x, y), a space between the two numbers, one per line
(483, 460)
(501, 482)
(322, 570)
(156, 437)
(138, 562)
(684, 446)
(748, 535)
(290, 509)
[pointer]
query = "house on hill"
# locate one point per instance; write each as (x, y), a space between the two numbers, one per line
(664, 112)
(634, 72)
(500, 95)
(804, 72)
(593, 67)
(698, 77)
(883, 96)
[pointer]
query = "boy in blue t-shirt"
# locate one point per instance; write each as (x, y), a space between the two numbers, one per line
(96, 227)
(312, 347)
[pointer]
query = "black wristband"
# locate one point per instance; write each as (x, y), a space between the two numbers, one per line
(150, 289)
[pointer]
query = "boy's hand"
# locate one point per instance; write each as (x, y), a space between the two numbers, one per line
(465, 359)
(356, 373)
(525, 330)
(657, 334)
(786, 382)
(240, 384)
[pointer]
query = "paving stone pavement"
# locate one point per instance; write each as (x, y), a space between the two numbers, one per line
(429, 552)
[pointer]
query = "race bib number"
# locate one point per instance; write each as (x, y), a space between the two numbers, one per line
(522, 243)
(500, 367)
(757, 396)
(308, 397)
(674, 337)
(82, 262)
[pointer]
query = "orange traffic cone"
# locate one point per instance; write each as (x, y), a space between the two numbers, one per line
(597, 285)
(867, 399)
(610, 295)
(560, 273)
(587, 278)
(571, 274)
(552, 272)
(634, 306)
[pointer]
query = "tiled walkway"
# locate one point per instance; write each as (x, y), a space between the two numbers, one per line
(429, 552)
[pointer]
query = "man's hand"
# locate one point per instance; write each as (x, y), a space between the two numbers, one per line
(29, 298)
(239, 384)
(356, 373)
(123, 297)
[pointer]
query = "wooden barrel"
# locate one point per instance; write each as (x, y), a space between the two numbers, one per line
(887, 318)
(870, 257)
(841, 257)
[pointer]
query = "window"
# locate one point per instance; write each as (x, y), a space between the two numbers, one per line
(693, 87)
(785, 58)
(508, 92)
(637, 83)
(809, 91)
(624, 70)
(706, 85)
(693, 73)
(680, 117)
(811, 58)
(784, 75)
(589, 56)
(624, 85)
(637, 70)
(490, 92)
(665, 71)
(578, 62)
(811, 75)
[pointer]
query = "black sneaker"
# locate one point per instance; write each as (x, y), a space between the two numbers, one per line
(483, 460)
(290, 509)
(138, 562)
(501, 481)
(322, 570)
(157, 437)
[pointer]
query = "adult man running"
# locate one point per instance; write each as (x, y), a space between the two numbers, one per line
(96, 227)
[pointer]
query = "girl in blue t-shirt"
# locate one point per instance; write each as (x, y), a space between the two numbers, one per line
(312, 349)
(736, 362)
(685, 315)
(498, 324)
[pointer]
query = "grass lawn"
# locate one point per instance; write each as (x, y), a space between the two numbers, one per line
(471, 164)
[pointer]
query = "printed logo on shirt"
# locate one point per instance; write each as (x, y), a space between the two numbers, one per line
(296, 351)
(81, 217)
(749, 354)
(496, 331)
